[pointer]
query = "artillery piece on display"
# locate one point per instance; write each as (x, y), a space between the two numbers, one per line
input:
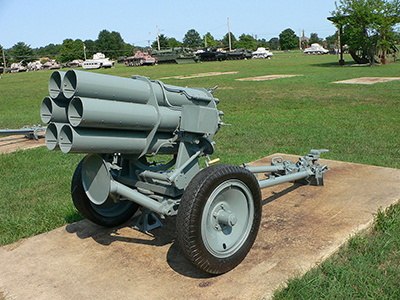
(125, 125)
(360, 55)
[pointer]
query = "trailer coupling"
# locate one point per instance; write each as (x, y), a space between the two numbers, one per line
(306, 170)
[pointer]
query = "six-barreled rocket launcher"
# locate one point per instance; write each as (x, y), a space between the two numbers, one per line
(125, 125)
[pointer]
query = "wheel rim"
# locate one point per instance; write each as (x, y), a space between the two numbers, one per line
(227, 218)
(110, 208)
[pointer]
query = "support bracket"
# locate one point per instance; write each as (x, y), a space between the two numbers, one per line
(147, 221)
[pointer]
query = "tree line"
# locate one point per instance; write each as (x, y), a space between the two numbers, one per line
(113, 45)
(369, 25)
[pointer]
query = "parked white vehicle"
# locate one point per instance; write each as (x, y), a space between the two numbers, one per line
(316, 49)
(262, 53)
(34, 66)
(99, 60)
(17, 67)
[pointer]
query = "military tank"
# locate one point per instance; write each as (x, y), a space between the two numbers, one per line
(140, 59)
(239, 53)
(211, 54)
(177, 55)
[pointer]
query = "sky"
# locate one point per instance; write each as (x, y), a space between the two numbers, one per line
(41, 22)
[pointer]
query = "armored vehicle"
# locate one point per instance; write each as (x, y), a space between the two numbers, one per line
(177, 55)
(316, 49)
(99, 61)
(211, 54)
(139, 59)
(262, 53)
(240, 53)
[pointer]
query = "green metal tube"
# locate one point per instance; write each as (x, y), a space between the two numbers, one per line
(55, 85)
(284, 178)
(96, 113)
(138, 89)
(265, 169)
(89, 140)
(134, 195)
(52, 134)
(53, 110)
(92, 85)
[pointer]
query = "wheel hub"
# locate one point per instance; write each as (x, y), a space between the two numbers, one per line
(223, 216)
(227, 218)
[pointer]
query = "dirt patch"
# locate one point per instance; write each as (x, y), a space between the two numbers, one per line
(266, 77)
(200, 75)
(368, 80)
(14, 143)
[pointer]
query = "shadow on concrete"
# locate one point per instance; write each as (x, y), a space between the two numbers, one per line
(162, 236)
(281, 193)
(179, 264)
(106, 236)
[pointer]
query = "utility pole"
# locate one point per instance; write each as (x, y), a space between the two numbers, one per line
(4, 63)
(229, 36)
(158, 39)
(84, 51)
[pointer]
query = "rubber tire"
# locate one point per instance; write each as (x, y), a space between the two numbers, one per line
(118, 213)
(189, 218)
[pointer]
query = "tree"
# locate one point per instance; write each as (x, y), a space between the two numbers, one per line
(110, 42)
(263, 43)
(164, 44)
(21, 51)
(71, 50)
(209, 41)
(274, 43)
(332, 40)
(51, 50)
(368, 24)
(246, 41)
(192, 39)
(90, 46)
(314, 38)
(173, 42)
(288, 40)
(225, 41)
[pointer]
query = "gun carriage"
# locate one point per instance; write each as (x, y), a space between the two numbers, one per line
(125, 124)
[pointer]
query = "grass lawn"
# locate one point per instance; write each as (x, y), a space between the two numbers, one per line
(357, 123)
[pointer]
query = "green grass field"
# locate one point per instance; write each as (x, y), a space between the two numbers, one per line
(357, 123)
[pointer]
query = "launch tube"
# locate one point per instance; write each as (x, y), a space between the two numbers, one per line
(96, 113)
(55, 85)
(53, 110)
(138, 89)
(89, 140)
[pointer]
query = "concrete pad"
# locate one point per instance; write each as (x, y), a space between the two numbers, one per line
(266, 77)
(208, 74)
(301, 226)
(14, 143)
(368, 80)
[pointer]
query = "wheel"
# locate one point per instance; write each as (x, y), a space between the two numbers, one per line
(218, 218)
(359, 56)
(109, 214)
